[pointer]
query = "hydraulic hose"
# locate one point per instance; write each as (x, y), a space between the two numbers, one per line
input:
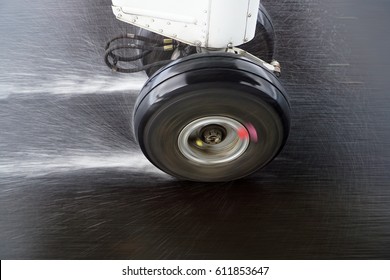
(148, 45)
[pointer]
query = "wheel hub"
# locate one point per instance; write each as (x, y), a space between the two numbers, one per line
(212, 140)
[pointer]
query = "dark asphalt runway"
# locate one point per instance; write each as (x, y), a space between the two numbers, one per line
(74, 184)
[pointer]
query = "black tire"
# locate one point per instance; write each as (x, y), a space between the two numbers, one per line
(205, 85)
(262, 45)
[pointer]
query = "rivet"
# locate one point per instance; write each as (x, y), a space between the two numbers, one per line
(119, 15)
(249, 15)
(161, 31)
(168, 23)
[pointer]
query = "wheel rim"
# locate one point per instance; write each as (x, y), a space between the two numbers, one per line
(213, 140)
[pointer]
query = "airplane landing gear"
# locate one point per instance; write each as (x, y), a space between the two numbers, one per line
(210, 111)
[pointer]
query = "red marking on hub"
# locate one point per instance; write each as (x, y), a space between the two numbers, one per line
(242, 133)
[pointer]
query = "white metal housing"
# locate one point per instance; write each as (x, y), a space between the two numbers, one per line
(206, 23)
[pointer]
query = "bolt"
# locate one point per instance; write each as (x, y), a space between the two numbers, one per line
(275, 63)
(277, 68)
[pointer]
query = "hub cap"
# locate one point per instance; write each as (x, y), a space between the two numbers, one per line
(213, 140)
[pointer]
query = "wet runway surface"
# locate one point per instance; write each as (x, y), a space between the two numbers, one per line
(75, 185)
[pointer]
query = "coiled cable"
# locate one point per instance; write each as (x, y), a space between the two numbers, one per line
(147, 46)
